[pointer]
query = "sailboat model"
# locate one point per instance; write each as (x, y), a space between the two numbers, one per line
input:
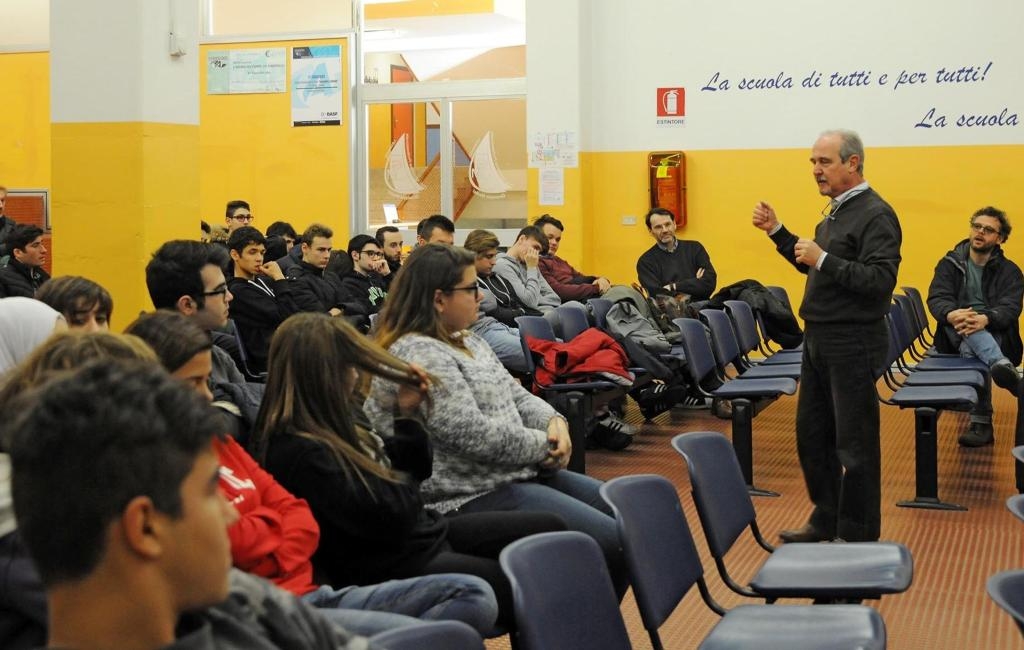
(484, 175)
(398, 173)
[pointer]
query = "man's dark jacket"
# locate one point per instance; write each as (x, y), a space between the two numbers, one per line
(16, 279)
(1003, 286)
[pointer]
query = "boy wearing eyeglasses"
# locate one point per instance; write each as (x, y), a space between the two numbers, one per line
(363, 289)
(236, 215)
(975, 296)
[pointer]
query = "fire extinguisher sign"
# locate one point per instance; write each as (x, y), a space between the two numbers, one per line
(671, 109)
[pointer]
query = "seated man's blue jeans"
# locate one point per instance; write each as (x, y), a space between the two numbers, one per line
(984, 347)
(371, 609)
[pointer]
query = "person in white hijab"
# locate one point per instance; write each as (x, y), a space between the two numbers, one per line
(24, 324)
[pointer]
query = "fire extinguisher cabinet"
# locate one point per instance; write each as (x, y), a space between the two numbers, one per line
(666, 177)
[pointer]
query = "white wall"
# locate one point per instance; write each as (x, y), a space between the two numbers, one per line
(639, 45)
(110, 62)
(24, 24)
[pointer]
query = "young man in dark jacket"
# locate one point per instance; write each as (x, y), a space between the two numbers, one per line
(24, 271)
(363, 289)
(262, 296)
(975, 297)
(314, 289)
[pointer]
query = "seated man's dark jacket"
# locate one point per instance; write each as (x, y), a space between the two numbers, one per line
(509, 305)
(6, 226)
(22, 597)
(658, 268)
(314, 289)
(258, 308)
(1003, 285)
(16, 279)
(363, 294)
(393, 268)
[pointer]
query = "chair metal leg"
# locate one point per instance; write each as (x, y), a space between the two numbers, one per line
(1018, 439)
(926, 460)
(576, 409)
(743, 443)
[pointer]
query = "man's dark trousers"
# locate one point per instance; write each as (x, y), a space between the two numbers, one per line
(837, 427)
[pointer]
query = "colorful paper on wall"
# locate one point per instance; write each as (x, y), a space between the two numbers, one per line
(552, 186)
(253, 70)
(316, 85)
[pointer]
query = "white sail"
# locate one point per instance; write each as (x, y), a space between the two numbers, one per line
(398, 173)
(484, 175)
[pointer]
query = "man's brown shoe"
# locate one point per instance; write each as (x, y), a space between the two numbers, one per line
(802, 535)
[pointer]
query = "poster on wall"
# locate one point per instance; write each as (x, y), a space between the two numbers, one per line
(252, 70)
(316, 85)
(552, 186)
(554, 149)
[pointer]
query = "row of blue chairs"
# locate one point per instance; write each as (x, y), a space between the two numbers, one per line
(1006, 588)
(564, 597)
(929, 383)
(576, 401)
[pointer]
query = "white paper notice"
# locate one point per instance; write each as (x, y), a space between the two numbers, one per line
(316, 85)
(552, 186)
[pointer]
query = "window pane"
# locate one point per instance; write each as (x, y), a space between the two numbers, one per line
(400, 171)
(443, 65)
(490, 163)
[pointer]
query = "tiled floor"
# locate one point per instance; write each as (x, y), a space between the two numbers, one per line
(954, 552)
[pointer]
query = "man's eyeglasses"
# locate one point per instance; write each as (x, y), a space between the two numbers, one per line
(219, 291)
(475, 289)
(987, 230)
(244, 218)
(374, 255)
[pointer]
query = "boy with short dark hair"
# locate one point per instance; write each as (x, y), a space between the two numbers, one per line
(126, 523)
(363, 289)
(24, 272)
(262, 296)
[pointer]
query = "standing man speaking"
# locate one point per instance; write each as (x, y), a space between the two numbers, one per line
(851, 267)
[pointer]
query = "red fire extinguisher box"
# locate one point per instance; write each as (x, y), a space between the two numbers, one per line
(666, 177)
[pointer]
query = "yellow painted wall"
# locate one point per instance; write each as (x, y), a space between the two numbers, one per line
(25, 120)
(933, 190)
(249, 150)
(110, 211)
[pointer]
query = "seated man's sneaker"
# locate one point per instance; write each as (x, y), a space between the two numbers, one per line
(1005, 376)
(656, 398)
(692, 403)
(978, 435)
(611, 433)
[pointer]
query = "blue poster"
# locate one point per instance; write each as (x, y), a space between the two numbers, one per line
(316, 85)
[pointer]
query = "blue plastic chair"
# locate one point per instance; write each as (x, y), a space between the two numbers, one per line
(1015, 505)
(1007, 590)
(562, 594)
(747, 395)
(928, 393)
(917, 300)
(750, 340)
(434, 635)
(820, 571)
(727, 351)
(664, 565)
(573, 320)
(576, 401)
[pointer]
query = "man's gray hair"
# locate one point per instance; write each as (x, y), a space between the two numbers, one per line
(849, 145)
